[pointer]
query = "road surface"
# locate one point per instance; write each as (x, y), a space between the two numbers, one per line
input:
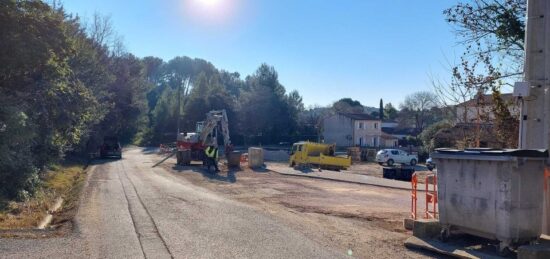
(131, 210)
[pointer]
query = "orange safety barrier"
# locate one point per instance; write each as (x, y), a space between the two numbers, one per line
(414, 182)
(546, 176)
(431, 197)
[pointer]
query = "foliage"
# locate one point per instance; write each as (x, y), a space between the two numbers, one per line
(265, 111)
(492, 33)
(506, 125)
(390, 112)
(347, 105)
(381, 110)
(417, 109)
(429, 139)
(60, 90)
(64, 86)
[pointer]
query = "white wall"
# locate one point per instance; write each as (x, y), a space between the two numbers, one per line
(367, 132)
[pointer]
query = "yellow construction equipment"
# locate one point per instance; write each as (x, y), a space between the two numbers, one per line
(305, 154)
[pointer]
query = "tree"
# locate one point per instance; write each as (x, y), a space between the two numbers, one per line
(416, 107)
(381, 110)
(493, 35)
(428, 136)
(64, 86)
(128, 115)
(347, 105)
(265, 110)
(46, 107)
(390, 112)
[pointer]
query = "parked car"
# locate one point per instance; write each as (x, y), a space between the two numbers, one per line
(110, 148)
(392, 156)
(430, 164)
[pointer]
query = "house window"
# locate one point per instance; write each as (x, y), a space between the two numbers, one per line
(376, 125)
(375, 142)
(360, 141)
(360, 125)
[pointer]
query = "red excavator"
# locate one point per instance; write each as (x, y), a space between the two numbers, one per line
(190, 146)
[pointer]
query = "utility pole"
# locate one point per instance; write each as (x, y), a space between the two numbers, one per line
(179, 109)
(535, 122)
(535, 106)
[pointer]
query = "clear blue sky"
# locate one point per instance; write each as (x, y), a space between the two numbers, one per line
(327, 50)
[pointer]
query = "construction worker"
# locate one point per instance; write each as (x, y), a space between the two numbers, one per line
(212, 157)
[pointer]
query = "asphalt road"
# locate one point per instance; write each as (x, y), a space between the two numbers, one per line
(131, 210)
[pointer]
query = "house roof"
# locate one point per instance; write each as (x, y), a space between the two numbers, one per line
(401, 131)
(487, 100)
(387, 136)
(360, 116)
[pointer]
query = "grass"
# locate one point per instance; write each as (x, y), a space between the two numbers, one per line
(63, 181)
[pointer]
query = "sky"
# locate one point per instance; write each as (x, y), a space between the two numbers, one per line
(325, 49)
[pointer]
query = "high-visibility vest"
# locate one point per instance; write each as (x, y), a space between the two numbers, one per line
(211, 152)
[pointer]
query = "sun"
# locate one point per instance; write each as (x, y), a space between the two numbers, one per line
(211, 13)
(209, 3)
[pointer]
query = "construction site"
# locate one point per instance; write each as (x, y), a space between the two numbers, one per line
(134, 157)
(477, 203)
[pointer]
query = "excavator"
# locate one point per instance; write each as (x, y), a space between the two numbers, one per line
(190, 146)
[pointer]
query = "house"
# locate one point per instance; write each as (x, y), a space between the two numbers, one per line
(352, 129)
(401, 133)
(389, 124)
(481, 109)
(388, 140)
(474, 123)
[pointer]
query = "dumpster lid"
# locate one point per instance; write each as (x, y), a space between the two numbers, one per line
(495, 152)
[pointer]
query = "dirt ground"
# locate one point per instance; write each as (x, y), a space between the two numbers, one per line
(364, 220)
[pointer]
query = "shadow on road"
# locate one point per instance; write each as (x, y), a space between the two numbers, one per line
(150, 150)
(260, 170)
(228, 176)
(101, 161)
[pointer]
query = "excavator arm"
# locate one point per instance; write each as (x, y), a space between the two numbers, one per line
(212, 120)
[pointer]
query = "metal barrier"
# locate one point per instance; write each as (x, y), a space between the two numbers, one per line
(414, 182)
(431, 197)
(430, 210)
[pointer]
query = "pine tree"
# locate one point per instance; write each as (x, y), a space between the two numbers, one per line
(381, 109)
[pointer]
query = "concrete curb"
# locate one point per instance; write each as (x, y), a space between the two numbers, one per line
(342, 180)
(45, 222)
(49, 217)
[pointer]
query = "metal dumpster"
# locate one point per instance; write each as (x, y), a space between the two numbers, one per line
(403, 173)
(496, 194)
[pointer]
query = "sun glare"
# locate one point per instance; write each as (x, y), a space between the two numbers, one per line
(210, 12)
(209, 3)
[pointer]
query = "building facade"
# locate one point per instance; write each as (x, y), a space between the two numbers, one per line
(346, 130)
(477, 109)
